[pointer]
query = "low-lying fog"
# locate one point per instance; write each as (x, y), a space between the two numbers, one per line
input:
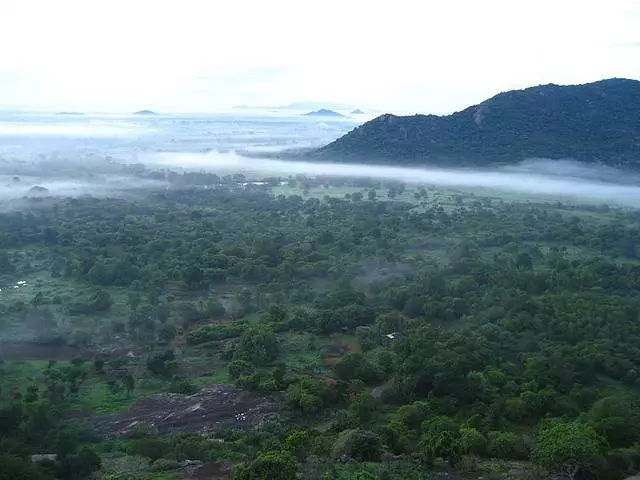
(17, 188)
(94, 129)
(83, 155)
(545, 177)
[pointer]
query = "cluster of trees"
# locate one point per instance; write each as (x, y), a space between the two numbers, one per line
(31, 423)
(483, 329)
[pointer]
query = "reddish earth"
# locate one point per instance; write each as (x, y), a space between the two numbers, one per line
(212, 408)
(333, 352)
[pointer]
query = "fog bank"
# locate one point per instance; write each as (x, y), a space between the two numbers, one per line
(543, 177)
(16, 188)
(78, 130)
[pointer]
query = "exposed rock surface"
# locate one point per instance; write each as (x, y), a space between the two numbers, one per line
(212, 408)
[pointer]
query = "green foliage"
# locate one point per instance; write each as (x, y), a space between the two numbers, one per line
(210, 333)
(150, 447)
(183, 386)
(567, 447)
(240, 368)
(617, 419)
(441, 438)
(472, 441)
(507, 314)
(80, 465)
(361, 445)
(258, 345)
(507, 445)
(100, 301)
(297, 442)
(162, 363)
(590, 122)
(354, 366)
(308, 395)
(273, 465)
(15, 468)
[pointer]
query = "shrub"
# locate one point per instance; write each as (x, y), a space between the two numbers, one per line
(507, 445)
(361, 445)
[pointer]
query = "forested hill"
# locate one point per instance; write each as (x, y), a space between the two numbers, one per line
(594, 122)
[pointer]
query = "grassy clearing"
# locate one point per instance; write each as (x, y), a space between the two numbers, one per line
(17, 375)
(304, 352)
(450, 197)
(57, 292)
(301, 352)
(95, 396)
(166, 476)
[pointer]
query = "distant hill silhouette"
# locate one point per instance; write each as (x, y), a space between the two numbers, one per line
(37, 190)
(594, 122)
(145, 112)
(357, 111)
(323, 112)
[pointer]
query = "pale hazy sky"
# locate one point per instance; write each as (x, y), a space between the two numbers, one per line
(405, 55)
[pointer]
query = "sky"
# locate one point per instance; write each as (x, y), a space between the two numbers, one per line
(403, 56)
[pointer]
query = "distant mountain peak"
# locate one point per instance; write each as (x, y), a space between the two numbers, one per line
(323, 112)
(593, 122)
(145, 112)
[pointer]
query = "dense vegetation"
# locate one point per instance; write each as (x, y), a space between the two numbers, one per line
(408, 331)
(595, 122)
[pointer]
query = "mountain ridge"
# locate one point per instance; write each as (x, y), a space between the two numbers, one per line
(593, 122)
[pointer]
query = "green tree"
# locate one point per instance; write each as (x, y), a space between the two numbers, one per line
(258, 345)
(362, 445)
(15, 468)
(297, 443)
(129, 383)
(617, 419)
(507, 445)
(472, 441)
(273, 465)
(568, 448)
(441, 438)
(354, 365)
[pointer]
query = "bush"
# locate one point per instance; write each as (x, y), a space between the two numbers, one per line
(183, 385)
(356, 366)
(507, 445)
(307, 395)
(153, 448)
(164, 464)
(238, 368)
(162, 363)
(362, 445)
(270, 465)
(210, 333)
(472, 441)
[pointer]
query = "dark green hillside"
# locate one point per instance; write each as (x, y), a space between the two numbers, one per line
(594, 122)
